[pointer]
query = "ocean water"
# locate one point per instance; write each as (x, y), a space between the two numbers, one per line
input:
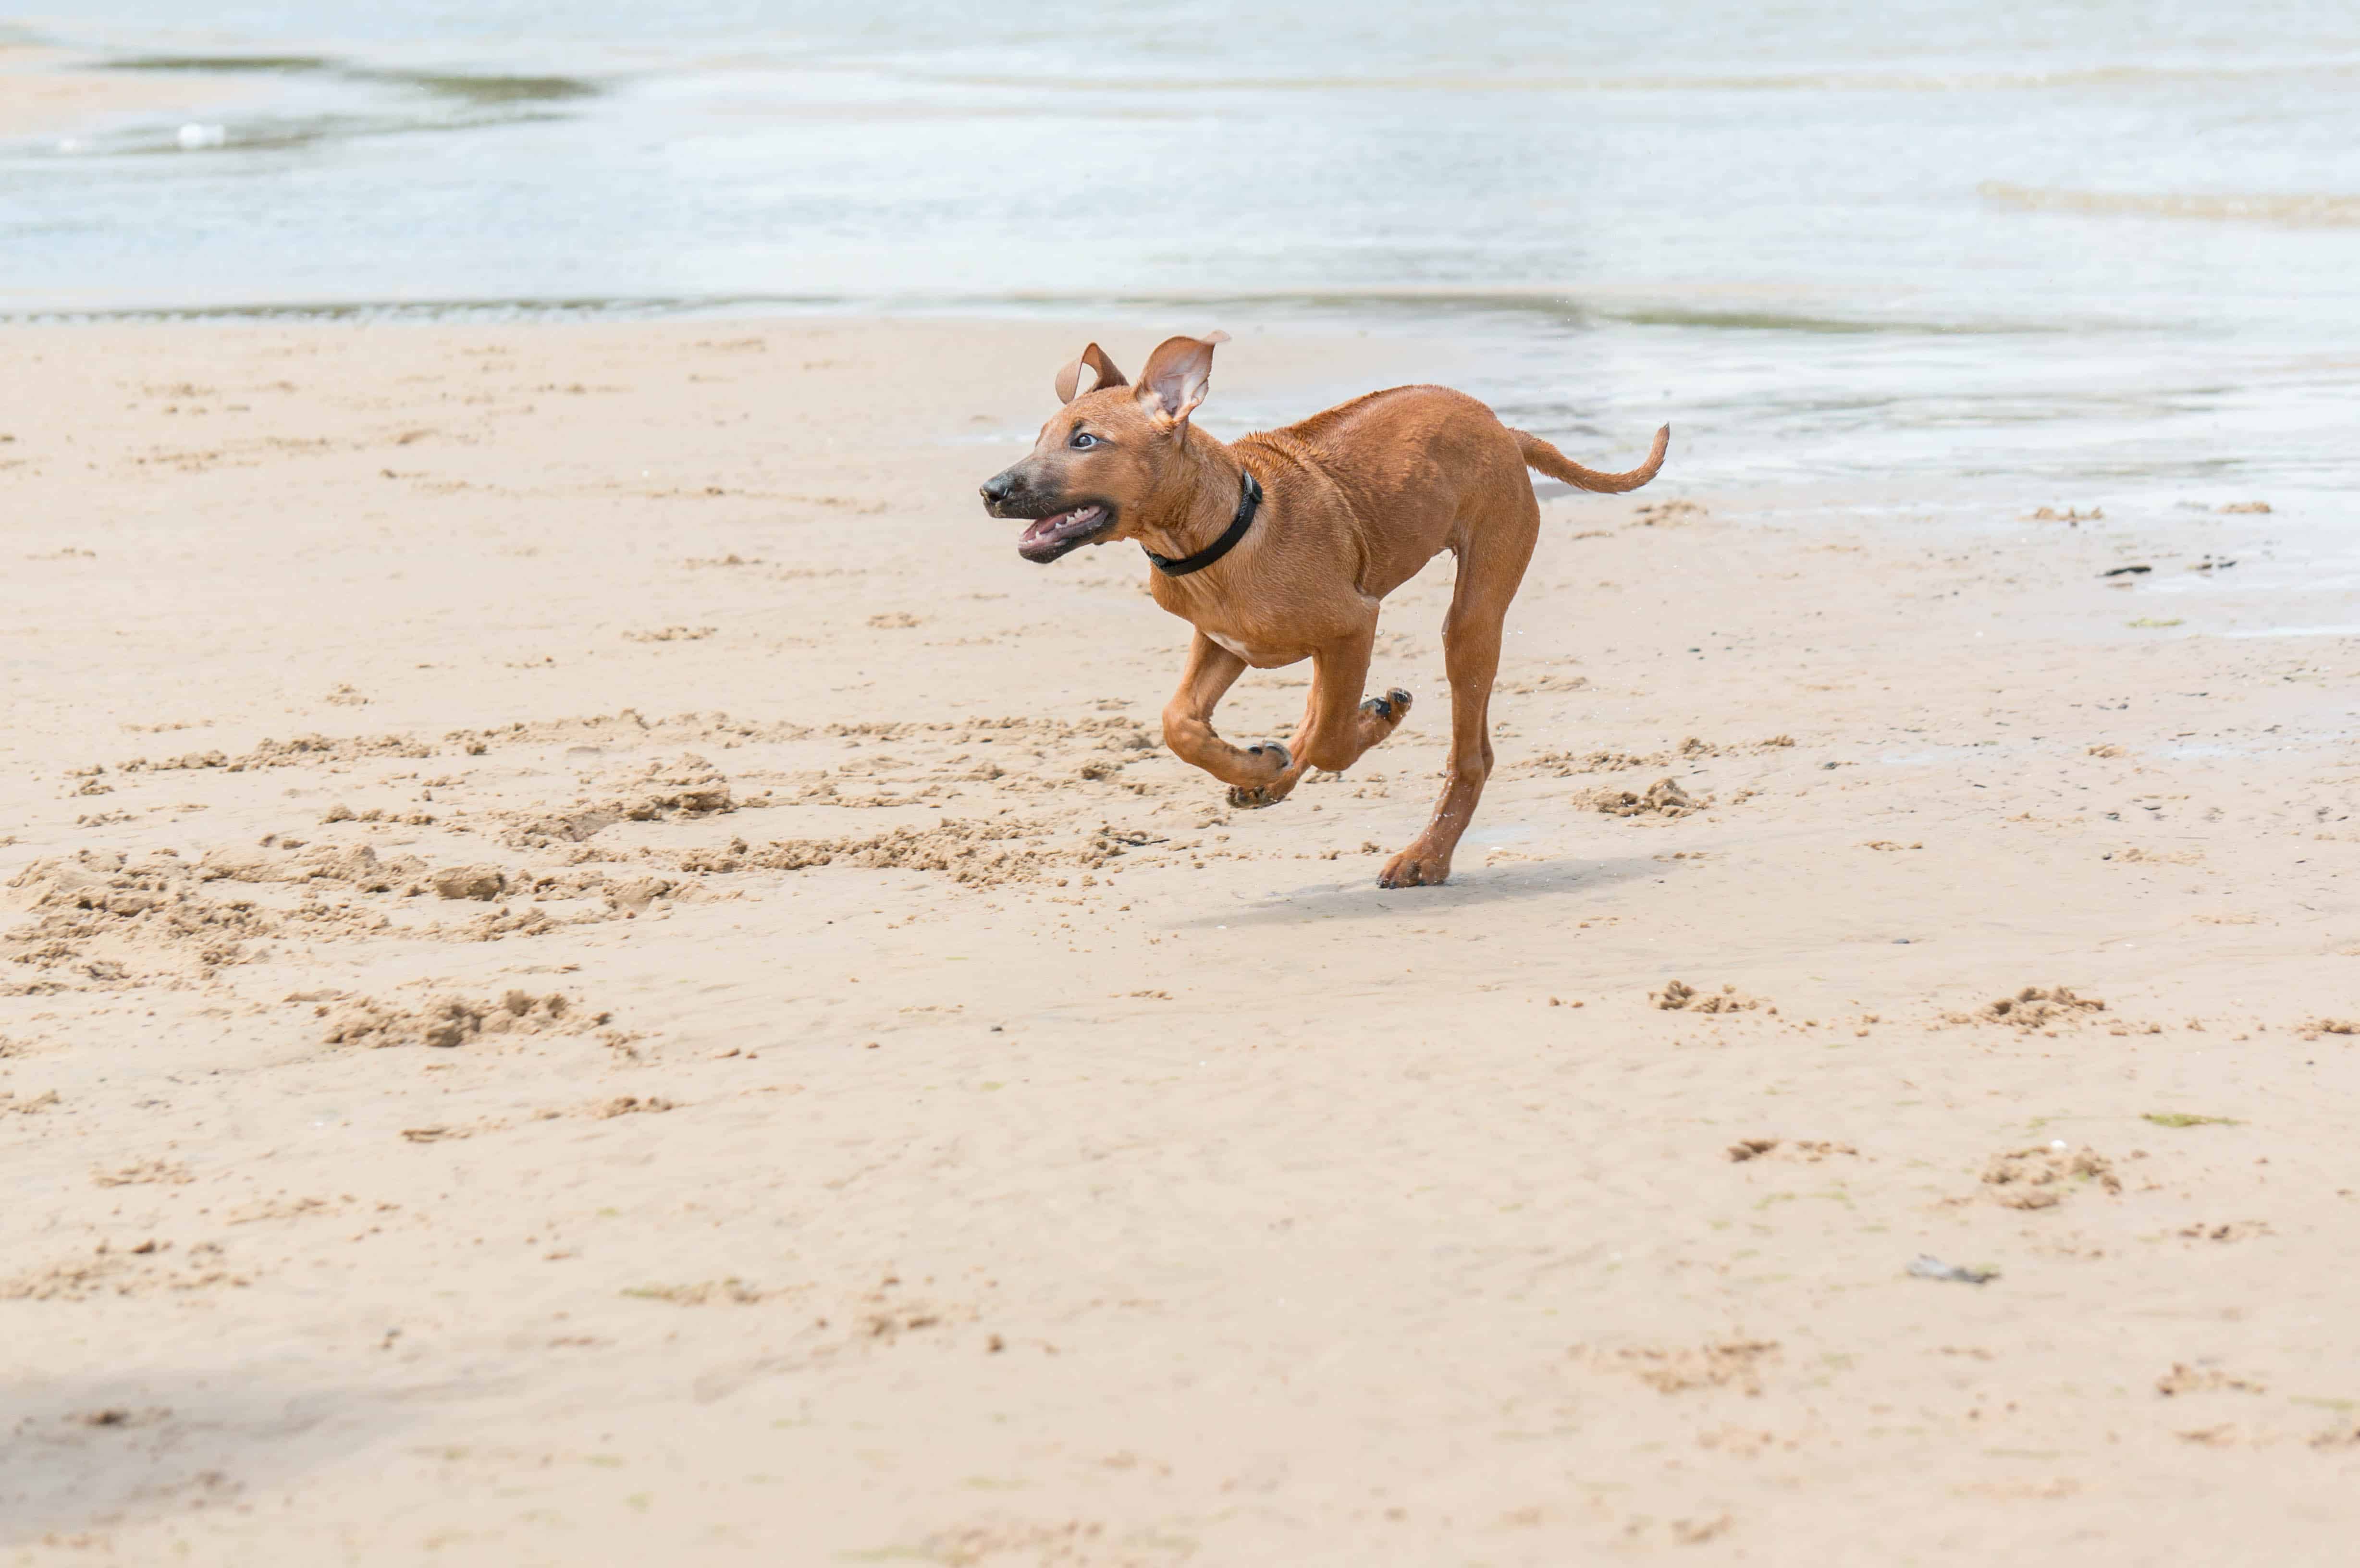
(2103, 250)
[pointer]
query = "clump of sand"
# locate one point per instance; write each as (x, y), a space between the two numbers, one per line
(102, 896)
(298, 751)
(355, 865)
(447, 1021)
(1679, 997)
(2034, 1007)
(341, 812)
(361, 868)
(687, 786)
(1568, 764)
(2042, 1177)
(981, 853)
(480, 882)
(1664, 797)
(98, 913)
(136, 1270)
(1810, 1152)
(628, 1105)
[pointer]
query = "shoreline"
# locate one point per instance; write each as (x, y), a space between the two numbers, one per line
(54, 92)
(959, 1136)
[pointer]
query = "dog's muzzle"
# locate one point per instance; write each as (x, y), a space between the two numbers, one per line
(1058, 524)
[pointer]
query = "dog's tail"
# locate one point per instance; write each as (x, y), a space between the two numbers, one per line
(1539, 455)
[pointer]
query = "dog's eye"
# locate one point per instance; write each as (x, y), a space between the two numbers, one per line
(1083, 439)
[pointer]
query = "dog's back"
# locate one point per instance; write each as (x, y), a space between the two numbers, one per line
(1425, 468)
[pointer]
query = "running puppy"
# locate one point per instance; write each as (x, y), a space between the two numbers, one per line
(1282, 546)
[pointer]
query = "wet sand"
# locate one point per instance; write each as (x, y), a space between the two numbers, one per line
(595, 971)
(52, 92)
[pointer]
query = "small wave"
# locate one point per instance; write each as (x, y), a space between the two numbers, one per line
(284, 133)
(488, 89)
(1831, 326)
(465, 86)
(276, 64)
(2302, 211)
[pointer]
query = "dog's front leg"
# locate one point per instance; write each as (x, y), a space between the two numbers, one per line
(1336, 725)
(1188, 722)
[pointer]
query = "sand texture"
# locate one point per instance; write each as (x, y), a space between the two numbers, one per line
(593, 971)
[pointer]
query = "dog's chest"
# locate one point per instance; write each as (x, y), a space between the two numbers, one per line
(1263, 652)
(1261, 655)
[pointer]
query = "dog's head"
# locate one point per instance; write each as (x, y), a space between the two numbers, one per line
(1100, 459)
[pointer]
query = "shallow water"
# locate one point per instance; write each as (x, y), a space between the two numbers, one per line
(2098, 251)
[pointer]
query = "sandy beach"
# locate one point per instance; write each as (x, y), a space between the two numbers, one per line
(595, 971)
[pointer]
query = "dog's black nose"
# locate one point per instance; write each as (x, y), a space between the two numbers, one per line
(1000, 487)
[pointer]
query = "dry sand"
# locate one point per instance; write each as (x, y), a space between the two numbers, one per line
(595, 971)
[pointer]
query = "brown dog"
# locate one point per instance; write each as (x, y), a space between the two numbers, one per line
(1281, 547)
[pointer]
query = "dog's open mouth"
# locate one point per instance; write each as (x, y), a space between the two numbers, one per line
(1052, 536)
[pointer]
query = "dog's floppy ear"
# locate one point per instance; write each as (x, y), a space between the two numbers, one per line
(1176, 375)
(1069, 380)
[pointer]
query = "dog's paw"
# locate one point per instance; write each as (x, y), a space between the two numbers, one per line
(1255, 797)
(1393, 707)
(1414, 868)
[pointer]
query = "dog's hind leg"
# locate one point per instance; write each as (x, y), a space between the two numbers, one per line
(1491, 566)
(1188, 722)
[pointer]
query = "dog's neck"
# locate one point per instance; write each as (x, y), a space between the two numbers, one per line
(1197, 500)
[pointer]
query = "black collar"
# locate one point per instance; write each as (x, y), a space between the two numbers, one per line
(1249, 502)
